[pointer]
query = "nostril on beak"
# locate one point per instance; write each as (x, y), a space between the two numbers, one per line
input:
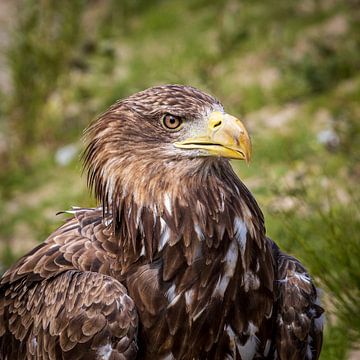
(217, 124)
(216, 119)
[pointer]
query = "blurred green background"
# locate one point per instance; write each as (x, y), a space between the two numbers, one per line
(291, 69)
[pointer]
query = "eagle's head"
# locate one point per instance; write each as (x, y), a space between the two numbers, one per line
(157, 139)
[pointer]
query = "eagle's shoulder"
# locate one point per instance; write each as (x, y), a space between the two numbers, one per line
(83, 243)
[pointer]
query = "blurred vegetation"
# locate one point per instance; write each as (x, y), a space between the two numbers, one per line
(292, 69)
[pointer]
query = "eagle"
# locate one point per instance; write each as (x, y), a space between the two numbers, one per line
(174, 263)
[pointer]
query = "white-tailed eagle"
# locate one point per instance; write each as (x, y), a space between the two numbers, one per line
(174, 264)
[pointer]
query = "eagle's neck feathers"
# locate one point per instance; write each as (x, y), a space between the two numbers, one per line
(212, 206)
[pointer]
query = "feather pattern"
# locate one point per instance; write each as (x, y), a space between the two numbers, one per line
(174, 264)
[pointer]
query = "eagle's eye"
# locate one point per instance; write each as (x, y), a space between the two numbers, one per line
(171, 122)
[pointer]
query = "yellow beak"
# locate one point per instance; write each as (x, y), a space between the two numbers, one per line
(226, 137)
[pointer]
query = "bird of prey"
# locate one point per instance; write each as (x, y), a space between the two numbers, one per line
(174, 263)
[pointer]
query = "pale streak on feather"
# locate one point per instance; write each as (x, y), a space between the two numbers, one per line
(240, 231)
(199, 232)
(168, 356)
(34, 343)
(138, 215)
(167, 203)
(154, 211)
(107, 221)
(165, 234)
(240, 235)
(268, 316)
(231, 258)
(222, 203)
(249, 220)
(70, 212)
(170, 293)
(189, 297)
(174, 300)
(107, 172)
(237, 190)
(252, 329)
(197, 315)
(248, 350)
(294, 274)
(104, 352)
(267, 347)
(302, 276)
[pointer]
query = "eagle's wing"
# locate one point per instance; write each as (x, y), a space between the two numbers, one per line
(83, 243)
(299, 319)
(53, 305)
(75, 315)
